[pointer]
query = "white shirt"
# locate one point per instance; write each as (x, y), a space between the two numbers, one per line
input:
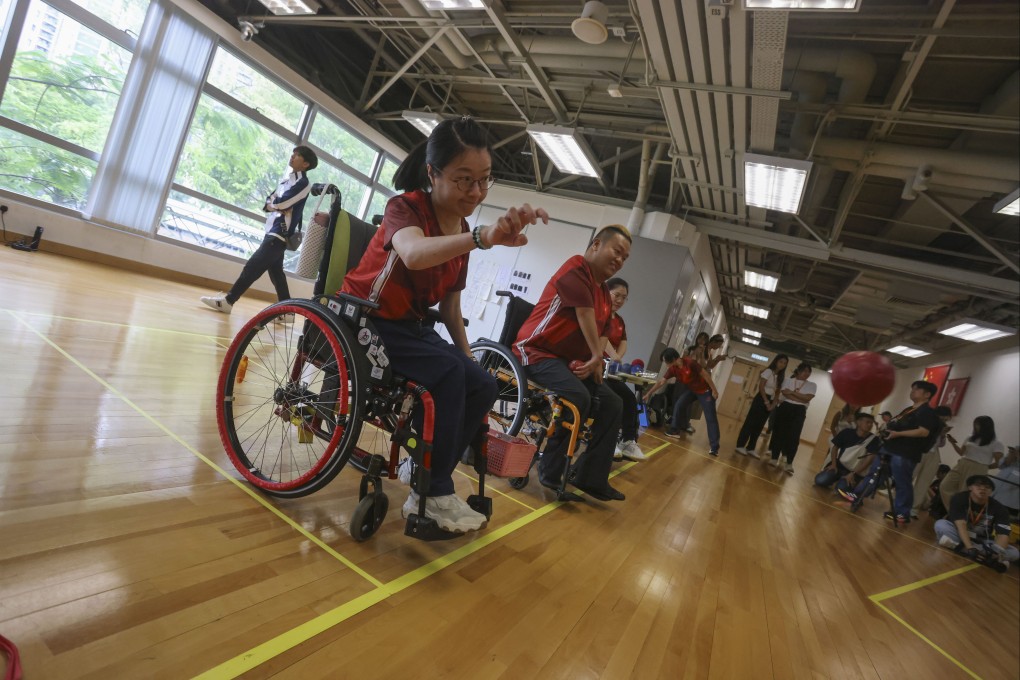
(797, 385)
(983, 454)
(770, 381)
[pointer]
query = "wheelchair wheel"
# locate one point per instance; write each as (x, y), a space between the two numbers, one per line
(287, 401)
(369, 515)
(508, 411)
(519, 482)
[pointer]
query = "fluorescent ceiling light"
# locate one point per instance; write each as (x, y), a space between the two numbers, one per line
(567, 153)
(759, 312)
(753, 334)
(977, 331)
(423, 120)
(291, 7)
(1009, 205)
(911, 352)
(812, 5)
(774, 183)
(440, 5)
(759, 357)
(759, 278)
(752, 341)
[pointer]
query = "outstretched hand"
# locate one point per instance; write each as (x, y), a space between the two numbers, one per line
(506, 231)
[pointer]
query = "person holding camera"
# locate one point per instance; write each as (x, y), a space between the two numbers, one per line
(284, 206)
(976, 522)
(906, 437)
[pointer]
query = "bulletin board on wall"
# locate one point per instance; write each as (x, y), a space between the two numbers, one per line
(524, 271)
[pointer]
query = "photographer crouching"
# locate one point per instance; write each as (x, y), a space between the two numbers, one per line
(977, 525)
(904, 440)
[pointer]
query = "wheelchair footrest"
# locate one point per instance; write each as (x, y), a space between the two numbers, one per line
(426, 529)
(481, 504)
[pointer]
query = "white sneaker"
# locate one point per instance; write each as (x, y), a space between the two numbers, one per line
(774, 462)
(404, 470)
(618, 453)
(741, 450)
(218, 302)
(451, 512)
(788, 468)
(632, 451)
(947, 542)
(753, 454)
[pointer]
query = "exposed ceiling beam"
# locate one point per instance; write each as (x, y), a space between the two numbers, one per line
(971, 231)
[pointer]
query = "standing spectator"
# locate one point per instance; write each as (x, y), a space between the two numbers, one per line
(616, 348)
(284, 206)
(699, 386)
(418, 258)
(797, 392)
(851, 451)
(930, 461)
(979, 454)
(843, 419)
(1008, 491)
(906, 437)
(568, 324)
(765, 400)
(714, 344)
(976, 517)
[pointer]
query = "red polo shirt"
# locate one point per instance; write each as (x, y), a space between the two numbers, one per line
(382, 277)
(552, 330)
(696, 384)
(617, 330)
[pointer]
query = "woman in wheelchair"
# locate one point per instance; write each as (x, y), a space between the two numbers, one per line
(418, 258)
(560, 347)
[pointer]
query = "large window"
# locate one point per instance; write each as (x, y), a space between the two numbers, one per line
(60, 97)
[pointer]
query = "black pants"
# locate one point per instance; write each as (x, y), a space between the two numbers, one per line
(461, 391)
(787, 429)
(629, 414)
(593, 467)
(268, 258)
(757, 415)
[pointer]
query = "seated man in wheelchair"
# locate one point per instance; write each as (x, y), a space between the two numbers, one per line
(560, 348)
(418, 258)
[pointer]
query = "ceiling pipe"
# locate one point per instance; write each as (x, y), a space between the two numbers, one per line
(993, 167)
(444, 44)
(648, 166)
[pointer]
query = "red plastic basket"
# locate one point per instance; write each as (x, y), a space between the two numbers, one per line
(509, 456)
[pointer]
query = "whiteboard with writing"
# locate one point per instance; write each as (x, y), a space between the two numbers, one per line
(549, 246)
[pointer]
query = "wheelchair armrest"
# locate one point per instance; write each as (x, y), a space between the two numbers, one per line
(433, 316)
(358, 301)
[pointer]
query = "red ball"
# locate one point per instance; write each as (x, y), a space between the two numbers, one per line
(863, 378)
(576, 364)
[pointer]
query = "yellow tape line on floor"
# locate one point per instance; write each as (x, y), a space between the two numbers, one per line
(243, 486)
(877, 600)
(320, 624)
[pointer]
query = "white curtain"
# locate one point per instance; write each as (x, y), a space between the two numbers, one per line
(151, 122)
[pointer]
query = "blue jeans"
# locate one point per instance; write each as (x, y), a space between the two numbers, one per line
(831, 475)
(902, 473)
(681, 420)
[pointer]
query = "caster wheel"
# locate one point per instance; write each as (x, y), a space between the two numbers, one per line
(369, 516)
(518, 482)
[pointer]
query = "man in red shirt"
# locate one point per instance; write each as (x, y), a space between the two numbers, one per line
(567, 325)
(699, 386)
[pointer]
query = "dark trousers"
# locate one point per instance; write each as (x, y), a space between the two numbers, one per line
(756, 418)
(268, 258)
(682, 420)
(628, 414)
(592, 469)
(462, 392)
(786, 431)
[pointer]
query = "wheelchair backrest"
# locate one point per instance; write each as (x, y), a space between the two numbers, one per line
(517, 312)
(346, 242)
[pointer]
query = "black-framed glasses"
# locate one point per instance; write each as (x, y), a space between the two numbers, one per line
(465, 183)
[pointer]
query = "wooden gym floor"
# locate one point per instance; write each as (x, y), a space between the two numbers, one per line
(130, 549)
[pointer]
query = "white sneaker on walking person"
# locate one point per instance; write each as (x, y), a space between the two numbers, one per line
(632, 451)
(217, 302)
(788, 468)
(450, 512)
(753, 454)
(741, 450)
(774, 462)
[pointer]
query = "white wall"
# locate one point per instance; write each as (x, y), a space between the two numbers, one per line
(994, 389)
